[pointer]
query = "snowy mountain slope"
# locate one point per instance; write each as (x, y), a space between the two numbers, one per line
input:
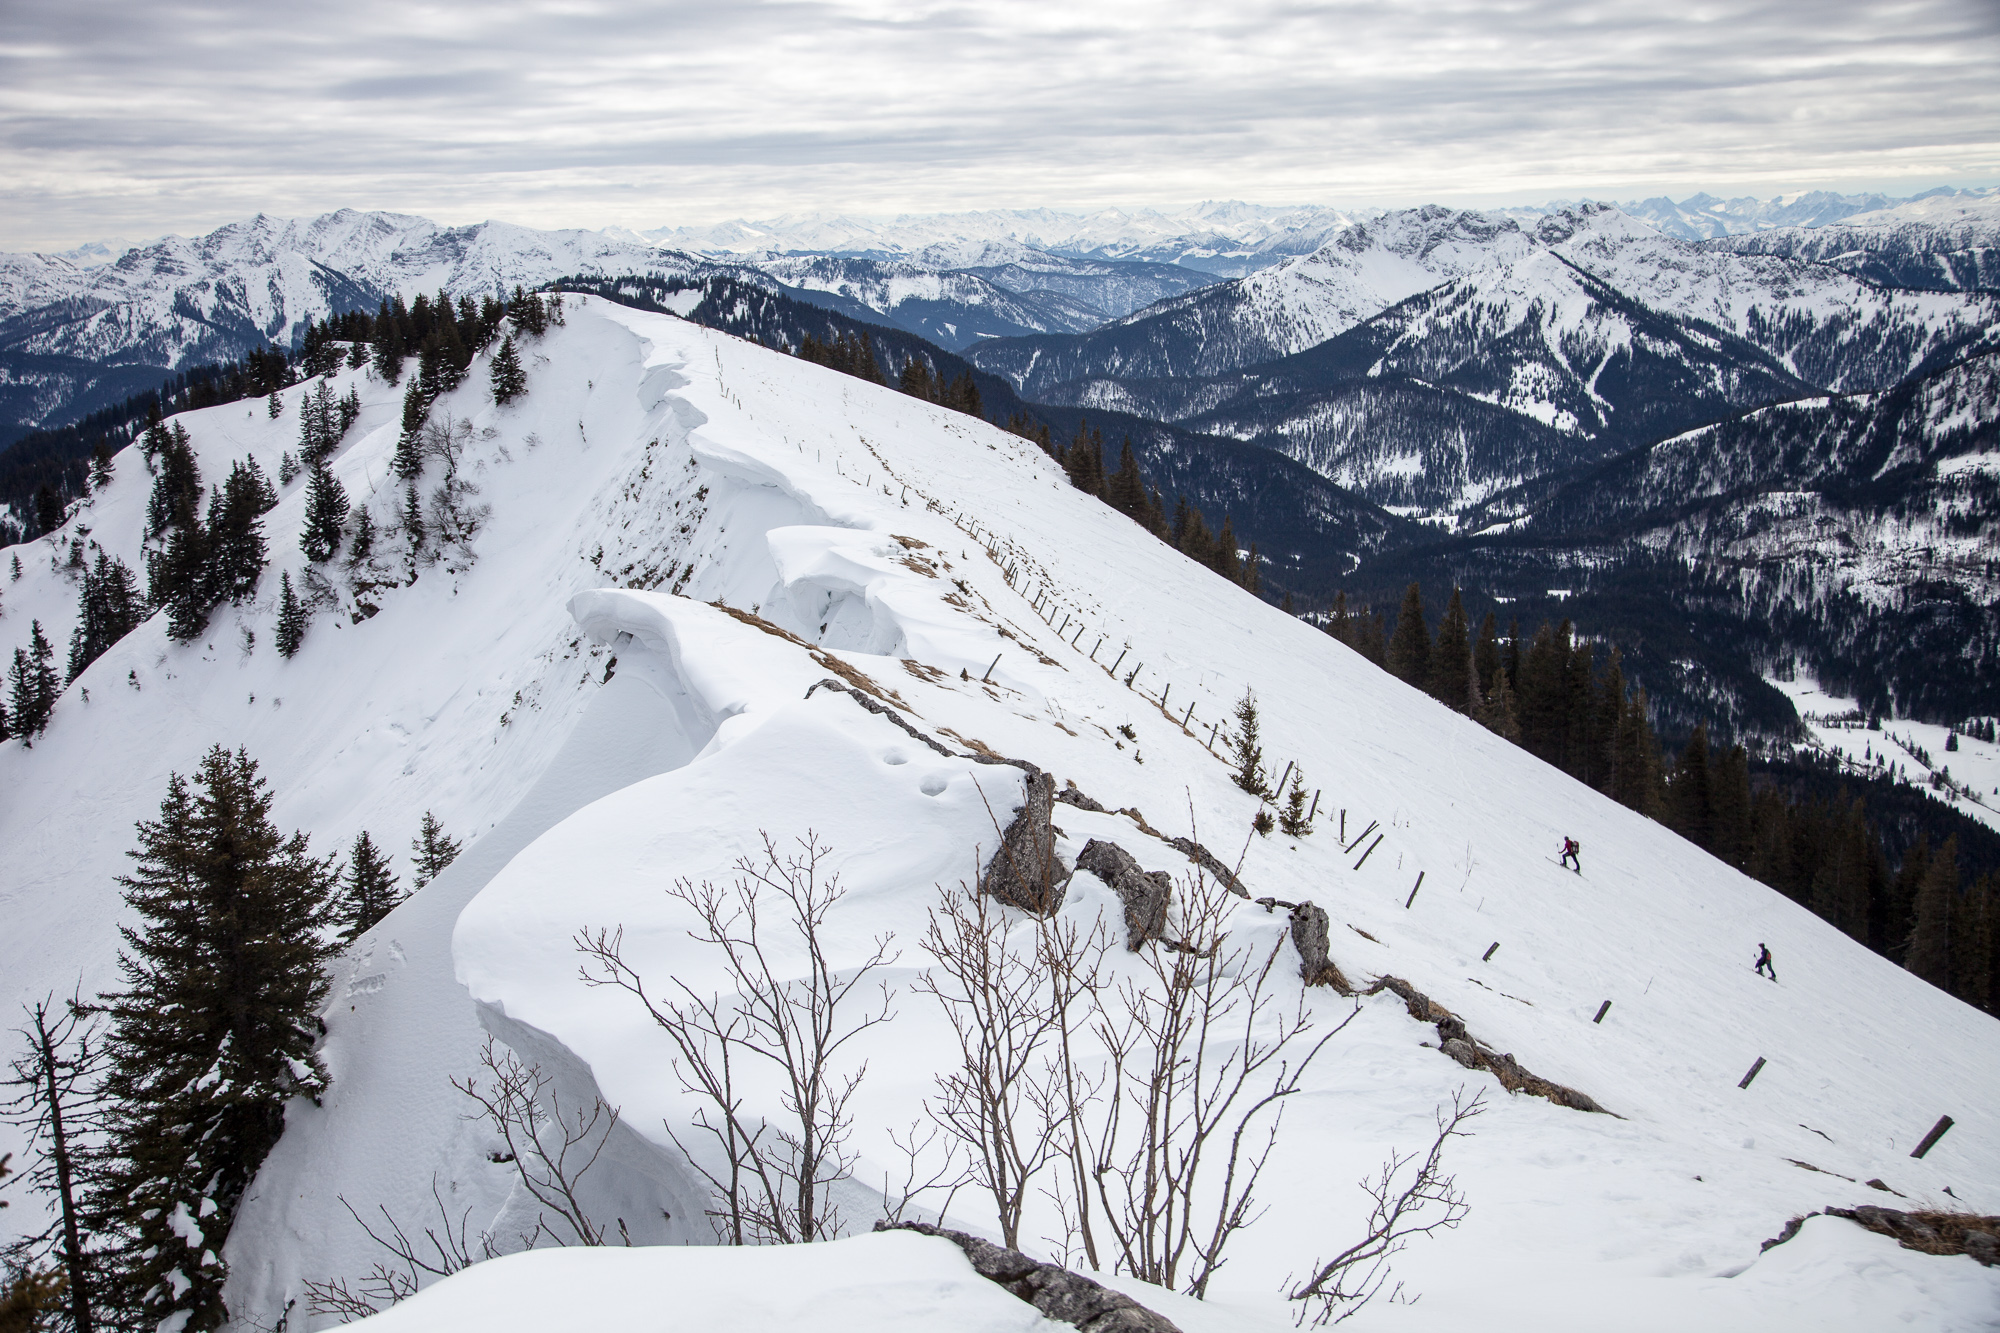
(179, 302)
(651, 456)
(1367, 267)
(1942, 243)
(1703, 217)
(953, 309)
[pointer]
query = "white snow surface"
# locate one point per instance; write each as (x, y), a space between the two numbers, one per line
(654, 468)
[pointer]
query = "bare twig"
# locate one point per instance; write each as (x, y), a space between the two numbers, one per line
(550, 1151)
(777, 1173)
(1429, 1202)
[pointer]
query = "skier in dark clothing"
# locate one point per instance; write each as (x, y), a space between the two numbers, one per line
(1570, 850)
(1764, 963)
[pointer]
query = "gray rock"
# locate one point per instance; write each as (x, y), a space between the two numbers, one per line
(1309, 937)
(1145, 894)
(1461, 1050)
(1056, 1292)
(1026, 872)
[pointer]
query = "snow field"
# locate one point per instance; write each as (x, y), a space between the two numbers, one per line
(665, 457)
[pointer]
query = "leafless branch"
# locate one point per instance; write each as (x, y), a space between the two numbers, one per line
(1429, 1202)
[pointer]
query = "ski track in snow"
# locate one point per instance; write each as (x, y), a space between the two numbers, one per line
(651, 455)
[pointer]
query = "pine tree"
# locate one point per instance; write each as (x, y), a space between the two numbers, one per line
(368, 890)
(413, 520)
(1496, 712)
(1225, 561)
(916, 380)
(57, 1103)
(1249, 748)
(409, 445)
(509, 381)
(362, 544)
(1451, 680)
(1690, 801)
(177, 580)
(326, 509)
(101, 465)
(1410, 648)
(235, 555)
(1930, 949)
(1293, 820)
(213, 1031)
(176, 498)
(292, 619)
(107, 610)
(32, 686)
(388, 346)
(434, 851)
(1125, 489)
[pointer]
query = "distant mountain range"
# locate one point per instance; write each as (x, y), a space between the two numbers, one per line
(1560, 398)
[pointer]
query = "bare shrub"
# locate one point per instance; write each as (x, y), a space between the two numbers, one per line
(776, 1175)
(447, 442)
(445, 1249)
(993, 995)
(550, 1151)
(1405, 1204)
(1071, 963)
(1200, 1046)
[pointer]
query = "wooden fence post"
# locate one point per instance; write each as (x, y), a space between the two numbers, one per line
(989, 670)
(1371, 848)
(1602, 1010)
(1488, 955)
(1413, 897)
(1753, 1073)
(1930, 1139)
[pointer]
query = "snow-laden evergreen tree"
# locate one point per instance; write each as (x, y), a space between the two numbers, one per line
(176, 498)
(318, 433)
(212, 1032)
(236, 535)
(291, 617)
(32, 686)
(508, 379)
(1249, 748)
(362, 544)
(108, 609)
(326, 510)
(410, 445)
(368, 889)
(177, 581)
(434, 851)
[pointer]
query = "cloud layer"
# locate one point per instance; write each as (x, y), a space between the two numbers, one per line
(140, 116)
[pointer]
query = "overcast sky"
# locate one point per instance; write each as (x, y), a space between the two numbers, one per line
(130, 118)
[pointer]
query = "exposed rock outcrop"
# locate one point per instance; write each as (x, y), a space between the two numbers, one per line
(1058, 1293)
(1144, 893)
(1309, 937)
(1026, 872)
(1469, 1051)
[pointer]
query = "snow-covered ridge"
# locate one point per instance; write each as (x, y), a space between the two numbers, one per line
(657, 478)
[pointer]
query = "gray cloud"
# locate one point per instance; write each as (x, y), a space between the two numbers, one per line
(138, 116)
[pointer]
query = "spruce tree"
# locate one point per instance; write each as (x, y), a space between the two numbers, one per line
(177, 580)
(509, 382)
(214, 1030)
(235, 556)
(1451, 658)
(32, 686)
(1292, 820)
(1249, 748)
(362, 544)
(367, 891)
(1691, 802)
(409, 445)
(107, 610)
(1930, 949)
(326, 509)
(1125, 489)
(1225, 561)
(434, 851)
(292, 619)
(1496, 712)
(916, 380)
(1410, 647)
(176, 498)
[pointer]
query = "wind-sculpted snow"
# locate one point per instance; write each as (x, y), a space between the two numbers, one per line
(733, 526)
